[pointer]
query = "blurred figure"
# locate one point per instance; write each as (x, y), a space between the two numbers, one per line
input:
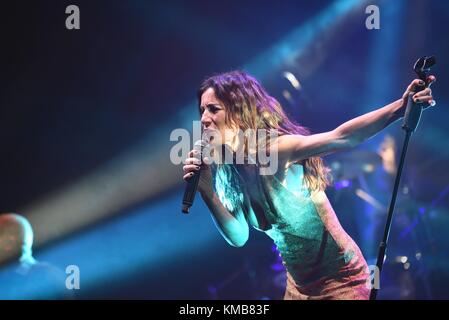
(16, 240)
(22, 276)
(387, 151)
(374, 188)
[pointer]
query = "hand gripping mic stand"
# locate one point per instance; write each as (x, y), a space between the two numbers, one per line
(411, 120)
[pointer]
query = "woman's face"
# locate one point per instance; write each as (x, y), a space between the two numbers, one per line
(213, 114)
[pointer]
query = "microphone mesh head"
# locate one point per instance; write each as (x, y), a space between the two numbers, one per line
(200, 145)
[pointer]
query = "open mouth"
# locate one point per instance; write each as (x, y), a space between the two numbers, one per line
(209, 134)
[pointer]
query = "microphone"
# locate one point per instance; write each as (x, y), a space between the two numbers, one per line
(413, 110)
(192, 183)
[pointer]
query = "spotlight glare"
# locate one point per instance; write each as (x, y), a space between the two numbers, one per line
(293, 80)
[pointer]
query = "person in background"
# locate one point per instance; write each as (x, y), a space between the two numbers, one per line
(21, 275)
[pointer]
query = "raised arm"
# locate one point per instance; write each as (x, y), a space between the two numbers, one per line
(351, 133)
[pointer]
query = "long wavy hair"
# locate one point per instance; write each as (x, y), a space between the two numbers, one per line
(249, 106)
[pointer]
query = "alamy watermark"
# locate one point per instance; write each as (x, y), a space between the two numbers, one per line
(373, 20)
(73, 20)
(261, 147)
(373, 280)
(72, 282)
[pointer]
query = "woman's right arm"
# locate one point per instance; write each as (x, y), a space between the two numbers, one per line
(232, 226)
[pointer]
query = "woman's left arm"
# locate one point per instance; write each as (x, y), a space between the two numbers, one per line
(353, 132)
(363, 127)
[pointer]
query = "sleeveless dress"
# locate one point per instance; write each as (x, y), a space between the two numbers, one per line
(321, 260)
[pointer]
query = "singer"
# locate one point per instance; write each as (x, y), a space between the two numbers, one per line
(291, 205)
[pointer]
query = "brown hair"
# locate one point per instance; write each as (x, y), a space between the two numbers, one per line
(249, 106)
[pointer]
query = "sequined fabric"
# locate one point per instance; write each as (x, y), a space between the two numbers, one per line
(321, 260)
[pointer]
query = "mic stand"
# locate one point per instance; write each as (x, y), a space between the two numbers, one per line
(411, 120)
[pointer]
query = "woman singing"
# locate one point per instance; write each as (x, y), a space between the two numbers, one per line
(290, 205)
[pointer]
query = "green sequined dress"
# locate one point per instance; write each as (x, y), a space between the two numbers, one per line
(321, 260)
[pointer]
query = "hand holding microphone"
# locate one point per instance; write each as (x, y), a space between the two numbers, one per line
(418, 95)
(197, 173)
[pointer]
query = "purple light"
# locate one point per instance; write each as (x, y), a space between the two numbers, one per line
(277, 267)
(212, 289)
(342, 184)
